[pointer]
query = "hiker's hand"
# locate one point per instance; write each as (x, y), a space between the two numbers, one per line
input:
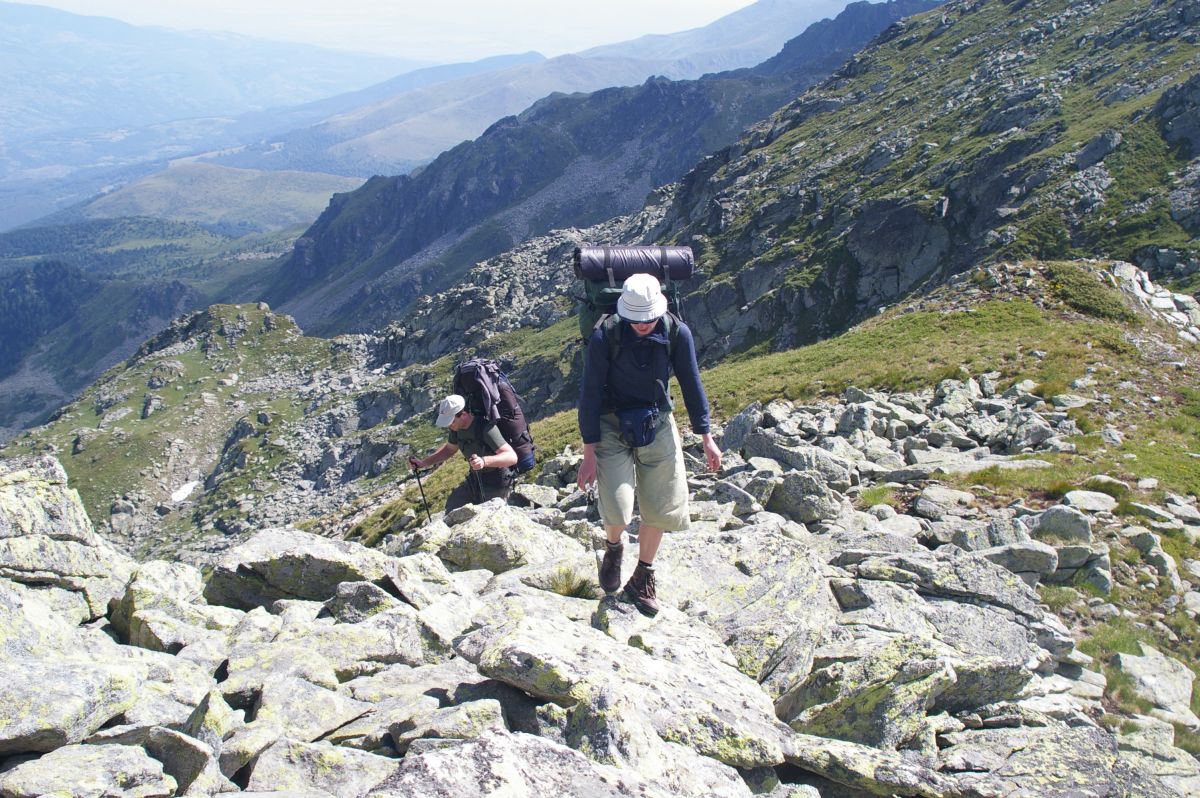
(712, 453)
(415, 464)
(476, 462)
(587, 472)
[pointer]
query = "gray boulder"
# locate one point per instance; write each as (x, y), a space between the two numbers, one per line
(1064, 523)
(1090, 501)
(805, 497)
(334, 770)
(498, 538)
(717, 711)
(1163, 681)
(289, 564)
(82, 771)
(1031, 560)
(45, 704)
(46, 538)
(500, 763)
(836, 472)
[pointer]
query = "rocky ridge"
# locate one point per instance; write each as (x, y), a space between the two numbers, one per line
(806, 648)
(957, 139)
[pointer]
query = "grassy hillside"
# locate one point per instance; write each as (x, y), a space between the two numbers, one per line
(233, 201)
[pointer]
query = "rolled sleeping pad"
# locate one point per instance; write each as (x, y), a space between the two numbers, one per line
(614, 264)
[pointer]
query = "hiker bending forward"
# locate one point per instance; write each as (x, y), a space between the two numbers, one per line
(622, 404)
(487, 453)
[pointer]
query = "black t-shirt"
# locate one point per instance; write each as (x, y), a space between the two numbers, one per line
(484, 439)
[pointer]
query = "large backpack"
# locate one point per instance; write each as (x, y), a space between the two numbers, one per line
(489, 395)
(603, 271)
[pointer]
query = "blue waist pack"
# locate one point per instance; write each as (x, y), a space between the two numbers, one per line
(638, 426)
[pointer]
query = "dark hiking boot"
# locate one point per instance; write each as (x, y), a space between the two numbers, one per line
(610, 567)
(640, 590)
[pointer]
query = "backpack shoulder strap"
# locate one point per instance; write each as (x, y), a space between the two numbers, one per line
(610, 325)
(671, 322)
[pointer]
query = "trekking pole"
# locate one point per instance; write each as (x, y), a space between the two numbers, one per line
(424, 502)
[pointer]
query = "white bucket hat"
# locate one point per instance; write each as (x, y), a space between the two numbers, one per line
(450, 407)
(641, 299)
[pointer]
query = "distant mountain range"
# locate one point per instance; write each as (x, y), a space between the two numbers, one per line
(65, 71)
(75, 137)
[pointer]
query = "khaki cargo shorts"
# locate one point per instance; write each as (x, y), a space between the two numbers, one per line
(654, 474)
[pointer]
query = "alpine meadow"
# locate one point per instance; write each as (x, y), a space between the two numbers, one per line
(939, 266)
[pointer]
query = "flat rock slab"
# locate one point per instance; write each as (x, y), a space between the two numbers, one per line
(46, 705)
(86, 771)
(499, 540)
(763, 592)
(320, 767)
(1049, 762)
(499, 763)
(1090, 501)
(717, 711)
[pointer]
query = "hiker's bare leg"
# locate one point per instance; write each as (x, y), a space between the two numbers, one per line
(648, 539)
(614, 533)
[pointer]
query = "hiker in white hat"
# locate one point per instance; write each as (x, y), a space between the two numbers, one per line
(631, 445)
(488, 455)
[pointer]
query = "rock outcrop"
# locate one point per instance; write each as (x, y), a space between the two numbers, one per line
(808, 650)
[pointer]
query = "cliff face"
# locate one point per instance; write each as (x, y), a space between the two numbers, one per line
(567, 161)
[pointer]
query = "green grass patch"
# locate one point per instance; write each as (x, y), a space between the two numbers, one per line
(876, 494)
(1057, 597)
(1085, 291)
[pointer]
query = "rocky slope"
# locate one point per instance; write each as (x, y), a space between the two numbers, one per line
(985, 130)
(567, 160)
(806, 647)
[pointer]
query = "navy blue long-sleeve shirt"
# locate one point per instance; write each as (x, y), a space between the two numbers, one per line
(631, 379)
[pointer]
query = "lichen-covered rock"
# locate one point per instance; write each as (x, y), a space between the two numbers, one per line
(500, 538)
(464, 721)
(46, 538)
(303, 711)
(1165, 682)
(1065, 523)
(762, 591)
(48, 704)
(293, 765)
(1051, 761)
(716, 711)
(35, 501)
(1031, 560)
(836, 472)
(949, 573)
(803, 496)
(1152, 747)
(290, 564)
(84, 771)
(500, 763)
(879, 700)
(174, 589)
(612, 729)
(871, 771)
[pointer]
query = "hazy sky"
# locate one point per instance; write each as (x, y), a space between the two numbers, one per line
(440, 30)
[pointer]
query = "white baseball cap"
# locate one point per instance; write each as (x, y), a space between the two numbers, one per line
(641, 299)
(450, 407)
